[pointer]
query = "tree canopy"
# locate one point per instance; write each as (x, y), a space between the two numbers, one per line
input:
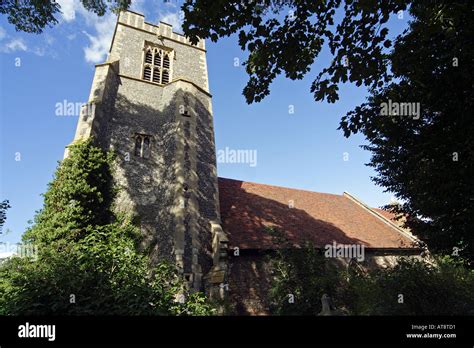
(427, 160)
(32, 16)
(4, 205)
(286, 36)
(423, 156)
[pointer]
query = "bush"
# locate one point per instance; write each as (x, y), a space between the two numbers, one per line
(88, 259)
(300, 278)
(411, 287)
(303, 275)
(414, 287)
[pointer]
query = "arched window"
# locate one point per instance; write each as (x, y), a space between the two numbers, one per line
(157, 59)
(157, 64)
(138, 145)
(166, 62)
(142, 145)
(156, 75)
(148, 57)
(146, 147)
(166, 77)
(147, 73)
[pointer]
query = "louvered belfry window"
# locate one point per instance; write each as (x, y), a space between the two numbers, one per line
(157, 65)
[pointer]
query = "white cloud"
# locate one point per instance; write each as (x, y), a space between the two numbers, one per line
(14, 45)
(172, 18)
(19, 44)
(98, 48)
(99, 30)
(99, 45)
(68, 9)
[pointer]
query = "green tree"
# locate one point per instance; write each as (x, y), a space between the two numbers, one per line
(301, 278)
(88, 259)
(32, 16)
(426, 161)
(286, 36)
(4, 205)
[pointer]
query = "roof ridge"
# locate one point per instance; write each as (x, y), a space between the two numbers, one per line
(283, 187)
(380, 217)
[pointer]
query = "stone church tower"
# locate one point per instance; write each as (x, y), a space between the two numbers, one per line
(150, 103)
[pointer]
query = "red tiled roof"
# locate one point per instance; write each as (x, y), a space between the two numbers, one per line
(386, 214)
(321, 218)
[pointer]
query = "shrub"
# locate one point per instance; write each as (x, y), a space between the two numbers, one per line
(88, 259)
(414, 287)
(411, 287)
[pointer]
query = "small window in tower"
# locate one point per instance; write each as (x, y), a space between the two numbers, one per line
(142, 145)
(146, 147)
(138, 146)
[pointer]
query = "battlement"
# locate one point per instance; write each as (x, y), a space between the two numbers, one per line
(165, 30)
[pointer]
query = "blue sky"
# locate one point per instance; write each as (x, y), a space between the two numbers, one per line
(303, 149)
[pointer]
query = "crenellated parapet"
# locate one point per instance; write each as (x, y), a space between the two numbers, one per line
(164, 30)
